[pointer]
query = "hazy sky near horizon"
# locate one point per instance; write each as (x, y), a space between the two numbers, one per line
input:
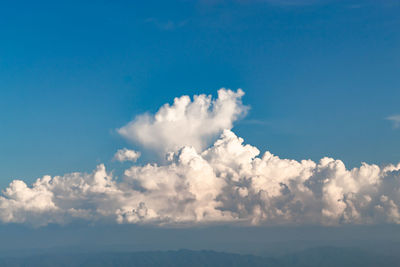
(80, 81)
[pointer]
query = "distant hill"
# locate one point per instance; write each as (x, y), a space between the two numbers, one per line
(338, 257)
(323, 256)
(148, 259)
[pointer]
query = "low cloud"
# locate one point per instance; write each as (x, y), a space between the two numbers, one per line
(226, 182)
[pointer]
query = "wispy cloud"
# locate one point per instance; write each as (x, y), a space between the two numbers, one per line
(395, 119)
(272, 2)
(292, 2)
(166, 25)
(255, 122)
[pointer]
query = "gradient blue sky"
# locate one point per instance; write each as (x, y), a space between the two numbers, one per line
(320, 76)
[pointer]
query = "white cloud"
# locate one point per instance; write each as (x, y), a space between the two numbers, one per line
(228, 182)
(395, 119)
(126, 155)
(186, 122)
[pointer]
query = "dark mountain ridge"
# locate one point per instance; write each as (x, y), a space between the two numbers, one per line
(320, 256)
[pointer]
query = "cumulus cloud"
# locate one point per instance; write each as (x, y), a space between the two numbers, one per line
(227, 182)
(126, 155)
(186, 122)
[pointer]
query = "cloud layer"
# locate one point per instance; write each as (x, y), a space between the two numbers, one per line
(228, 182)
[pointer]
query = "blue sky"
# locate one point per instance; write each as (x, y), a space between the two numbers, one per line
(320, 76)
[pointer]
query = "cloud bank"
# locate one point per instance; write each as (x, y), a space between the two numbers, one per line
(227, 182)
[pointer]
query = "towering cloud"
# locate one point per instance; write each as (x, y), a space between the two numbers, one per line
(186, 122)
(227, 182)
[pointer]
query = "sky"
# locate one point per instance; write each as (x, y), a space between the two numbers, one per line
(320, 76)
(189, 113)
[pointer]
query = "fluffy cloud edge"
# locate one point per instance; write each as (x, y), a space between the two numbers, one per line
(125, 154)
(189, 121)
(227, 182)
